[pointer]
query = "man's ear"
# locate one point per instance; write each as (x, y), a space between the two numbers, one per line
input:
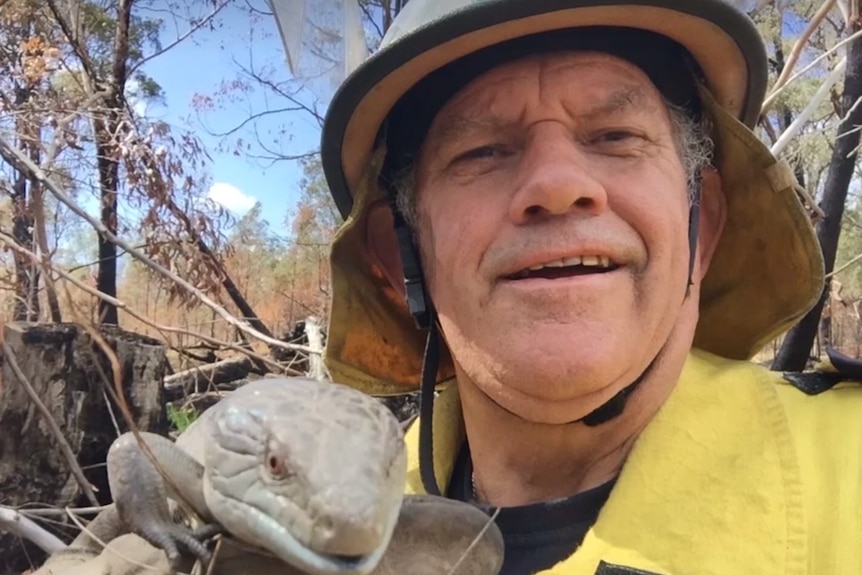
(713, 216)
(383, 245)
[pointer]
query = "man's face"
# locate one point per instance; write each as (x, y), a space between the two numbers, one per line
(556, 158)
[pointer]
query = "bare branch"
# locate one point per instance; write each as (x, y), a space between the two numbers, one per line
(16, 523)
(77, 46)
(279, 91)
(770, 99)
(854, 260)
(371, 19)
(797, 48)
(252, 118)
(203, 22)
(822, 92)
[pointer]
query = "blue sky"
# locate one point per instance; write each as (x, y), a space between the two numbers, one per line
(198, 66)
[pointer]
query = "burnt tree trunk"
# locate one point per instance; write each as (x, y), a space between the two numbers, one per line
(796, 347)
(106, 126)
(106, 279)
(67, 371)
(26, 273)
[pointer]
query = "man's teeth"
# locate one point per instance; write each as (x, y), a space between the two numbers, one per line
(594, 261)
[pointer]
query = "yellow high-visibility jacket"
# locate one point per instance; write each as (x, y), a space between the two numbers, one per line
(740, 473)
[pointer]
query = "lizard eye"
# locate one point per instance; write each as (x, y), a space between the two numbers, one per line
(276, 467)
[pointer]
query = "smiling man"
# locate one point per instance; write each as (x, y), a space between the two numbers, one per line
(562, 229)
(551, 223)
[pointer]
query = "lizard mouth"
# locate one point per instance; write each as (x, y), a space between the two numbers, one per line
(272, 537)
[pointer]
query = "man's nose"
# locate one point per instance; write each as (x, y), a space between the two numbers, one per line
(555, 177)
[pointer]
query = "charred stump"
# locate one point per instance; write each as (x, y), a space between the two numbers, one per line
(68, 372)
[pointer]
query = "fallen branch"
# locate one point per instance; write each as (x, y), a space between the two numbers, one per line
(54, 511)
(209, 358)
(203, 376)
(13, 522)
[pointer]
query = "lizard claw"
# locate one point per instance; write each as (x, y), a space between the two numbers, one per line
(206, 531)
(169, 537)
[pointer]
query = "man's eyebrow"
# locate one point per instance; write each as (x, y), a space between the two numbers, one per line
(456, 126)
(633, 98)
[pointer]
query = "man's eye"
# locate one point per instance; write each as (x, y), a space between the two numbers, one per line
(615, 136)
(479, 153)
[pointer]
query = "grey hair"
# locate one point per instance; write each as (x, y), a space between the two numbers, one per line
(693, 140)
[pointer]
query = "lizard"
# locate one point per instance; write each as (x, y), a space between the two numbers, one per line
(309, 471)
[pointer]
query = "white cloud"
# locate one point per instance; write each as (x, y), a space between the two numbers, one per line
(231, 197)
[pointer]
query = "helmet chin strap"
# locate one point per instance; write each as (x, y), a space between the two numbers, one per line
(424, 315)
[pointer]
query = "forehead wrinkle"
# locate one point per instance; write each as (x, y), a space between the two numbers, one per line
(477, 118)
(468, 111)
(637, 95)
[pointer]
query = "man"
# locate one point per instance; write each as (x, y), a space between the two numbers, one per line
(558, 217)
(586, 225)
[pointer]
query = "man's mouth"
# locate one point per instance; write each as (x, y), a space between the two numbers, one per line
(567, 267)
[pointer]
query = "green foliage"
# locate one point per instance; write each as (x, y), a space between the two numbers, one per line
(181, 417)
(99, 24)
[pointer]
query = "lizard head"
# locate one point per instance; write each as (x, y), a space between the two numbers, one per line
(313, 472)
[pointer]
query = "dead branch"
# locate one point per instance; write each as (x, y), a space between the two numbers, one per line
(770, 99)
(796, 51)
(822, 92)
(279, 91)
(79, 47)
(210, 358)
(250, 118)
(854, 260)
(55, 512)
(16, 523)
(212, 374)
(226, 281)
(198, 25)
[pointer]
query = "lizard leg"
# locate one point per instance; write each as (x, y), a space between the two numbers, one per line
(140, 493)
